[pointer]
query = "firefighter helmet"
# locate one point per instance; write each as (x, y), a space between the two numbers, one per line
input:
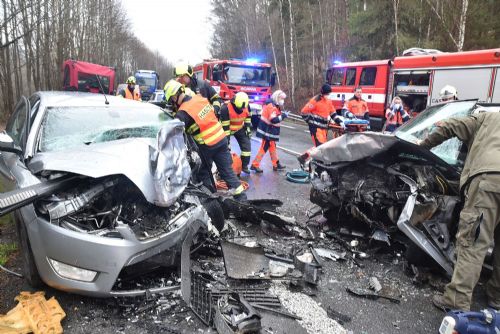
(183, 68)
(241, 100)
(448, 93)
(131, 80)
(172, 88)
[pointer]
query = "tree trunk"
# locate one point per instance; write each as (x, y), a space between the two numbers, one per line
(292, 73)
(395, 6)
(313, 47)
(272, 44)
(284, 41)
(461, 27)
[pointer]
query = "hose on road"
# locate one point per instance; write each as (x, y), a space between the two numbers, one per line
(298, 176)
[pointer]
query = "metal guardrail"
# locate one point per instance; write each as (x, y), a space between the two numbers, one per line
(296, 118)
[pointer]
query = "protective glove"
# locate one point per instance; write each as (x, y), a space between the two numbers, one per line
(248, 131)
(284, 114)
(349, 115)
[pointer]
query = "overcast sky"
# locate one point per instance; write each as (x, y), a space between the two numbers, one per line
(178, 29)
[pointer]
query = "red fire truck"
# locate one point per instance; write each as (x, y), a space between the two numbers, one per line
(83, 77)
(229, 77)
(417, 80)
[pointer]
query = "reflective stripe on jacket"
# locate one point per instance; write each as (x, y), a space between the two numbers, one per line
(206, 128)
(317, 111)
(269, 124)
(236, 121)
(136, 95)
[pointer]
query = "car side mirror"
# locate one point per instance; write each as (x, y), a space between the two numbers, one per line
(7, 144)
(273, 79)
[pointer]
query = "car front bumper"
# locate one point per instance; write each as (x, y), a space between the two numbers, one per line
(105, 255)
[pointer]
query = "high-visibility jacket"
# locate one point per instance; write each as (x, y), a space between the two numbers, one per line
(135, 95)
(269, 124)
(396, 117)
(358, 107)
(317, 111)
(206, 129)
(236, 121)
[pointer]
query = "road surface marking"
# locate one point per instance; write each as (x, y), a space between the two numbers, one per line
(288, 126)
(281, 148)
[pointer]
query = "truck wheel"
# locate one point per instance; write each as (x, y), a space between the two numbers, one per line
(30, 271)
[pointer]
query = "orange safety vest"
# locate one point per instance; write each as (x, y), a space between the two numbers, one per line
(236, 120)
(135, 96)
(357, 107)
(318, 111)
(201, 111)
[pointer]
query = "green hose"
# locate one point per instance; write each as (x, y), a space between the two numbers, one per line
(298, 176)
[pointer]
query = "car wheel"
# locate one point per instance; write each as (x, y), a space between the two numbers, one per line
(30, 271)
(215, 212)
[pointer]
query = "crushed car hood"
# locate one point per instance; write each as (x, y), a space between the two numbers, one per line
(356, 146)
(160, 168)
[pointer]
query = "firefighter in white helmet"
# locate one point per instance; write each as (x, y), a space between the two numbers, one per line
(448, 93)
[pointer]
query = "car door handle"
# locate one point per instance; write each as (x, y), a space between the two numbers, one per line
(369, 96)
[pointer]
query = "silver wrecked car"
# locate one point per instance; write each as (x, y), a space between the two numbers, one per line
(99, 184)
(394, 190)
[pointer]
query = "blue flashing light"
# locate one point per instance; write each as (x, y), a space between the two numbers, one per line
(337, 62)
(256, 98)
(252, 60)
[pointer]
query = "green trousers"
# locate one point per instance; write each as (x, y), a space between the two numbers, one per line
(477, 230)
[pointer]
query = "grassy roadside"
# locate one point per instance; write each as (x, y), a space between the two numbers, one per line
(6, 248)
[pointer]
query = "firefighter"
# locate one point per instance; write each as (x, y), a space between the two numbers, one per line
(480, 216)
(448, 93)
(318, 113)
(356, 106)
(200, 122)
(269, 130)
(132, 91)
(395, 115)
(184, 74)
(235, 119)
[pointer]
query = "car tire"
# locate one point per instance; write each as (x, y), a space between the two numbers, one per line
(215, 212)
(30, 271)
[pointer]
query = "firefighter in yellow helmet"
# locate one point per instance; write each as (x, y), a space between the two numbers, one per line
(184, 74)
(201, 123)
(132, 91)
(236, 121)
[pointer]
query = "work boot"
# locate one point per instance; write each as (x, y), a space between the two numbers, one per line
(256, 169)
(440, 303)
(245, 170)
(279, 167)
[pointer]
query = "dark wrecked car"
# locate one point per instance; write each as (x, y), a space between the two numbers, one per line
(101, 186)
(386, 184)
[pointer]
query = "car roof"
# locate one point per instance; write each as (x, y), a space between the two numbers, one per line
(80, 99)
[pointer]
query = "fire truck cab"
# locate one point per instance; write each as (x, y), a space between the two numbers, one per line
(229, 77)
(417, 80)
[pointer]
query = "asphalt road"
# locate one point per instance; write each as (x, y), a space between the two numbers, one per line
(415, 313)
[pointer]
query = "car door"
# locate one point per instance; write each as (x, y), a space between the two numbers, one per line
(12, 164)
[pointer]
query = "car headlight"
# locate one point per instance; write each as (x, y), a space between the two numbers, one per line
(72, 272)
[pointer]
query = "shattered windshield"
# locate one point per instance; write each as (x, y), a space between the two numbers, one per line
(69, 127)
(419, 127)
(246, 75)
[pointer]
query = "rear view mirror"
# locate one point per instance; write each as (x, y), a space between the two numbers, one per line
(7, 144)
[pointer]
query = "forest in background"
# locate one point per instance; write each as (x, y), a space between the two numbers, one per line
(37, 36)
(302, 38)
